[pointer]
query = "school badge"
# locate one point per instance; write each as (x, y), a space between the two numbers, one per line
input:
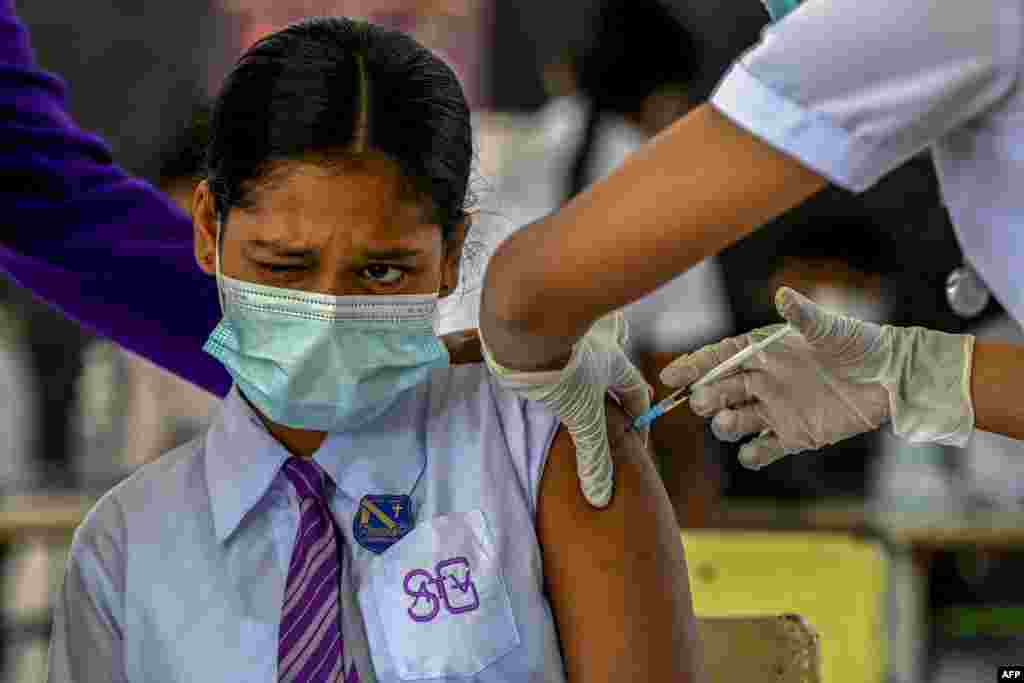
(381, 521)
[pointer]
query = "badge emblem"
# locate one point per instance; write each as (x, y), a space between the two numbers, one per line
(381, 521)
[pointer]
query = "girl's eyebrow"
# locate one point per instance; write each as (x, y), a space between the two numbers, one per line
(285, 251)
(282, 250)
(391, 254)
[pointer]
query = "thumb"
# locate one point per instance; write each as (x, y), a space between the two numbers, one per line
(594, 465)
(812, 321)
(634, 392)
(630, 386)
(585, 420)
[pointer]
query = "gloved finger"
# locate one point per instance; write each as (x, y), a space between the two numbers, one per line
(727, 392)
(594, 467)
(622, 335)
(733, 425)
(687, 369)
(636, 400)
(764, 450)
(630, 386)
(845, 338)
(596, 471)
(611, 328)
(811, 320)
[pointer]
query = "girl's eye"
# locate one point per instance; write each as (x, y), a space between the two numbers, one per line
(282, 268)
(386, 275)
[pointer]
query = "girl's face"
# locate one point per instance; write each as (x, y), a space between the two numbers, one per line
(353, 229)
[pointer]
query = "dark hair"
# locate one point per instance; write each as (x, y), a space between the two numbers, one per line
(328, 87)
(634, 48)
(183, 157)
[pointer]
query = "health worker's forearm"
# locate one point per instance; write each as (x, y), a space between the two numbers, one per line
(997, 388)
(695, 189)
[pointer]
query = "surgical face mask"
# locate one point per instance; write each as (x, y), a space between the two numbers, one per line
(780, 8)
(323, 362)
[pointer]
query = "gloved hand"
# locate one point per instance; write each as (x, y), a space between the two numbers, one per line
(576, 395)
(839, 377)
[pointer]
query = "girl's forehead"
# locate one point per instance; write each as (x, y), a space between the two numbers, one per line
(313, 203)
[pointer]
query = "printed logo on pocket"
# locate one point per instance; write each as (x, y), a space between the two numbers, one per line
(451, 585)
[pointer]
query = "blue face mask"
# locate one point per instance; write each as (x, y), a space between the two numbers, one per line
(322, 362)
(780, 8)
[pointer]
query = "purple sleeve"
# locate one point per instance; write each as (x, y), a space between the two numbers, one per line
(105, 249)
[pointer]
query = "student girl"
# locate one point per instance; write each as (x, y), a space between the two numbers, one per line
(360, 510)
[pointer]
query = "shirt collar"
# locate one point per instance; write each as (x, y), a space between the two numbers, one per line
(242, 460)
(387, 456)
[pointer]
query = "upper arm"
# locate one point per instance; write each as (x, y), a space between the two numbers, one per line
(86, 645)
(853, 97)
(616, 577)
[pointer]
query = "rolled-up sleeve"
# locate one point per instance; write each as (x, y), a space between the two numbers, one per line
(86, 644)
(854, 88)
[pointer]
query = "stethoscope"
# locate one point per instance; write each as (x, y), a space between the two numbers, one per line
(966, 292)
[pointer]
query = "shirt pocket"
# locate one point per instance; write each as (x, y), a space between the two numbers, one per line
(441, 601)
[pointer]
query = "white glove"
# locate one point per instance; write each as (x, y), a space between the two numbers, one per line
(576, 395)
(839, 377)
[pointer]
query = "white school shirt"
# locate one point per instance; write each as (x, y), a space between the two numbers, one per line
(854, 88)
(177, 573)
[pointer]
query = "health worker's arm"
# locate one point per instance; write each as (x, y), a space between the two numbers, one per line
(694, 190)
(616, 578)
(104, 248)
(997, 375)
(844, 90)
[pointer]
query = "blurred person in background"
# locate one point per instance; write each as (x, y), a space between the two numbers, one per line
(128, 411)
(164, 411)
(19, 424)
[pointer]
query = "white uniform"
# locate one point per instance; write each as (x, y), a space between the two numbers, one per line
(854, 88)
(177, 574)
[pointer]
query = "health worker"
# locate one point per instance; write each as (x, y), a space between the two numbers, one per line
(839, 91)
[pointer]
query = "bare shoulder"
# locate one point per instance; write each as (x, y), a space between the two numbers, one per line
(616, 577)
(627, 452)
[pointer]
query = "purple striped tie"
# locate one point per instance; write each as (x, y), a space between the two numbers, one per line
(310, 647)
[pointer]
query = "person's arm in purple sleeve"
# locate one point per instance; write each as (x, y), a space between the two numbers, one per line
(106, 249)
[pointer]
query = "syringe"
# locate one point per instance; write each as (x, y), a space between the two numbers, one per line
(680, 395)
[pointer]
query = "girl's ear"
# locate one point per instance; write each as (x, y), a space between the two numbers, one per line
(204, 225)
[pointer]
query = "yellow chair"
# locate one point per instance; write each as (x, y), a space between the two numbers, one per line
(835, 582)
(780, 649)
